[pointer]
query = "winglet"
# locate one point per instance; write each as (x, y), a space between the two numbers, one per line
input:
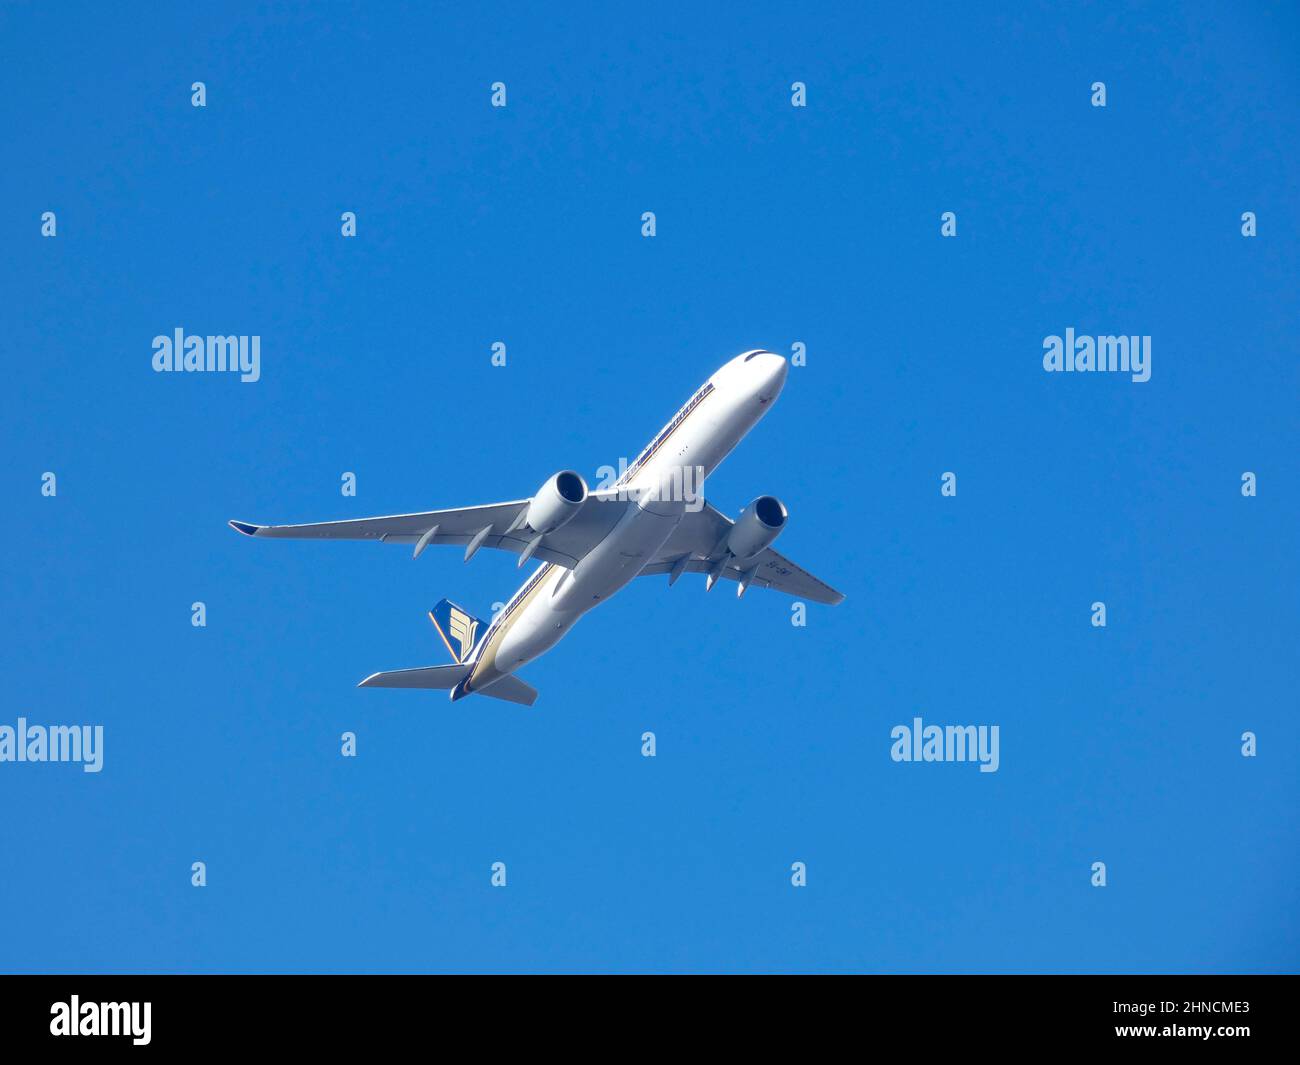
(245, 528)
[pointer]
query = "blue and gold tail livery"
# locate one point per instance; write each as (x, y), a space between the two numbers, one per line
(460, 630)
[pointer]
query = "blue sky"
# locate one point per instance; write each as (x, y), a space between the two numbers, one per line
(776, 225)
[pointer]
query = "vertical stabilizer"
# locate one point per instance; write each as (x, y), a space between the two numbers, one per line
(460, 630)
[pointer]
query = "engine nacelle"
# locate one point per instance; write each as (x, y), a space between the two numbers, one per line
(758, 525)
(556, 502)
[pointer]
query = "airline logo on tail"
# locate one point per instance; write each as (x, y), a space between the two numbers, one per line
(463, 627)
(458, 628)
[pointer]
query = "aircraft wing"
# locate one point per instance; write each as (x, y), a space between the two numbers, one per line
(492, 525)
(695, 544)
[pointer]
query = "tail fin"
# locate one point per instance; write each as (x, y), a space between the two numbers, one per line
(460, 630)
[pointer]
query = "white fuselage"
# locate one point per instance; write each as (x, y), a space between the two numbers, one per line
(697, 439)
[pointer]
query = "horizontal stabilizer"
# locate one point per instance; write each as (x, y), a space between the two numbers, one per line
(511, 689)
(443, 677)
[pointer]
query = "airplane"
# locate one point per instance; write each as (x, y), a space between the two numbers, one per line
(591, 544)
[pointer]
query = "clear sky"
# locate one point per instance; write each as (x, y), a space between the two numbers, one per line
(776, 225)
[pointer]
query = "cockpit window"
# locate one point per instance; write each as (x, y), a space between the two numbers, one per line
(753, 353)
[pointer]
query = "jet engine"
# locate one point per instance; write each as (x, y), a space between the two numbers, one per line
(556, 502)
(757, 527)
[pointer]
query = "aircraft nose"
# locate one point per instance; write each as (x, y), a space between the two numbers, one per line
(770, 369)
